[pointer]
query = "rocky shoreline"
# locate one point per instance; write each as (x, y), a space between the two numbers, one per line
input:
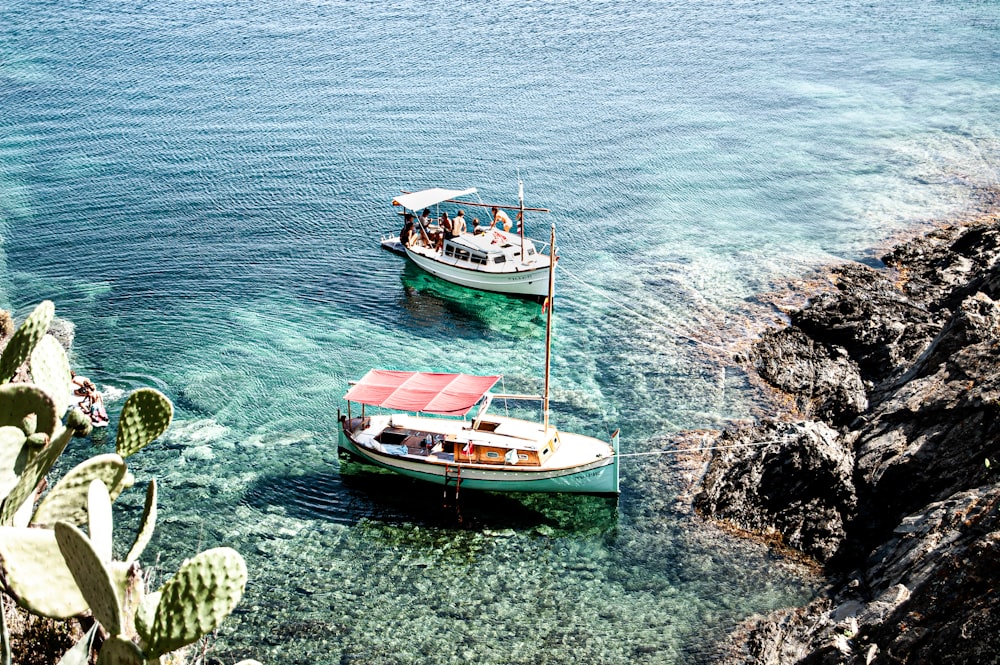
(885, 468)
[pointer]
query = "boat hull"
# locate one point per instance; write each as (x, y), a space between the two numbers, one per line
(599, 477)
(530, 282)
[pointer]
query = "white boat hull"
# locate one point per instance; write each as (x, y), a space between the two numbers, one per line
(528, 282)
(598, 476)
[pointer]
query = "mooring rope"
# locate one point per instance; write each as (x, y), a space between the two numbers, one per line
(705, 448)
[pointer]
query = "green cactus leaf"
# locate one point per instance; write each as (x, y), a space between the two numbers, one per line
(18, 401)
(100, 521)
(119, 651)
(79, 423)
(144, 615)
(25, 338)
(195, 601)
(146, 526)
(92, 577)
(33, 473)
(145, 416)
(13, 457)
(67, 501)
(34, 573)
(50, 371)
(80, 653)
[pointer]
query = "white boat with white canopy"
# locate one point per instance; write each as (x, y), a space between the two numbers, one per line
(489, 258)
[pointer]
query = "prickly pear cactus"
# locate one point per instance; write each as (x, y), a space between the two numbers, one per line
(92, 577)
(146, 525)
(18, 401)
(35, 574)
(33, 473)
(119, 651)
(100, 522)
(67, 501)
(24, 339)
(145, 416)
(13, 457)
(50, 371)
(195, 601)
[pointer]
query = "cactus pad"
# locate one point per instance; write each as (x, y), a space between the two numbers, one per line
(79, 423)
(20, 400)
(91, 575)
(67, 501)
(146, 525)
(35, 574)
(100, 522)
(25, 338)
(195, 601)
(33, 473)
(145, 416)
(13, 457)
(119, 651)
(50, 371)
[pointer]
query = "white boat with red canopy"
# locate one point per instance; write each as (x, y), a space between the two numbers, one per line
(484, 452)
(491, 260)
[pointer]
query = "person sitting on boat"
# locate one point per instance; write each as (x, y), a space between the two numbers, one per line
(408, 234)
(458, 224)
(425, 218)
(446, 231)
(500, 217)
(476, 229)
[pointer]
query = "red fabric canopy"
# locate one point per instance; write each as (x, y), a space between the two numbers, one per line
(443, 394)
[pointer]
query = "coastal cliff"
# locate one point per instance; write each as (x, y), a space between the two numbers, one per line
(885, 469)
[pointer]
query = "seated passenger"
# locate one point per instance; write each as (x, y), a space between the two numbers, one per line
(408, 234)
(476, 229)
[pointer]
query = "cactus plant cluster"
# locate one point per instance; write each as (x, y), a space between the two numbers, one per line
(48, 564)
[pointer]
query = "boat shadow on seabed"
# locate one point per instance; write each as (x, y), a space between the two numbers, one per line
(360, 492)
(429, 301)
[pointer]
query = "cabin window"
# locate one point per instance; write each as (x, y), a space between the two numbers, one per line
(531, 251)
(522, 456)
(449, 250)
(492, 455)
(545, 452)
(462, 254)
(478, 259)
(500, 259)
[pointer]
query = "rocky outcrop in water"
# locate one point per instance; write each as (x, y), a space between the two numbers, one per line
(885, 470)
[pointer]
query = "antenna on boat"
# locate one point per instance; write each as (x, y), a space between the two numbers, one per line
(548, 327)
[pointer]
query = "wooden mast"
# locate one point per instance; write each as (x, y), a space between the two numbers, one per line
(548, 327)
(520, 214)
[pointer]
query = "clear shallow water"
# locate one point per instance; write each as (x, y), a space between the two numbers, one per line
(198, 188)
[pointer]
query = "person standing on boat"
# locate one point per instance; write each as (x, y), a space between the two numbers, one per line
(500, 217)
(446, 231)
(458, 224)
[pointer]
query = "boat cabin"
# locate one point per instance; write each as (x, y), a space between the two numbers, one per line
(488, 249)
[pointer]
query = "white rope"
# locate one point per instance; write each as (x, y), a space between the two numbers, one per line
(705, 448)
(607, 297)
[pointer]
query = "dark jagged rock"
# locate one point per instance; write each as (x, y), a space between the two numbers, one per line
(913, 351)
(825, 383)
(798, 486)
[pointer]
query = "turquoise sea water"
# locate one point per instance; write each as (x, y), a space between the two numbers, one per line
(200, 187)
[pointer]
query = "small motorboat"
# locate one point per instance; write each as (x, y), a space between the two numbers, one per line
(489, 259)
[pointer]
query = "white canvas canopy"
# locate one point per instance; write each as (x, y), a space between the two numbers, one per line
(429, 197)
